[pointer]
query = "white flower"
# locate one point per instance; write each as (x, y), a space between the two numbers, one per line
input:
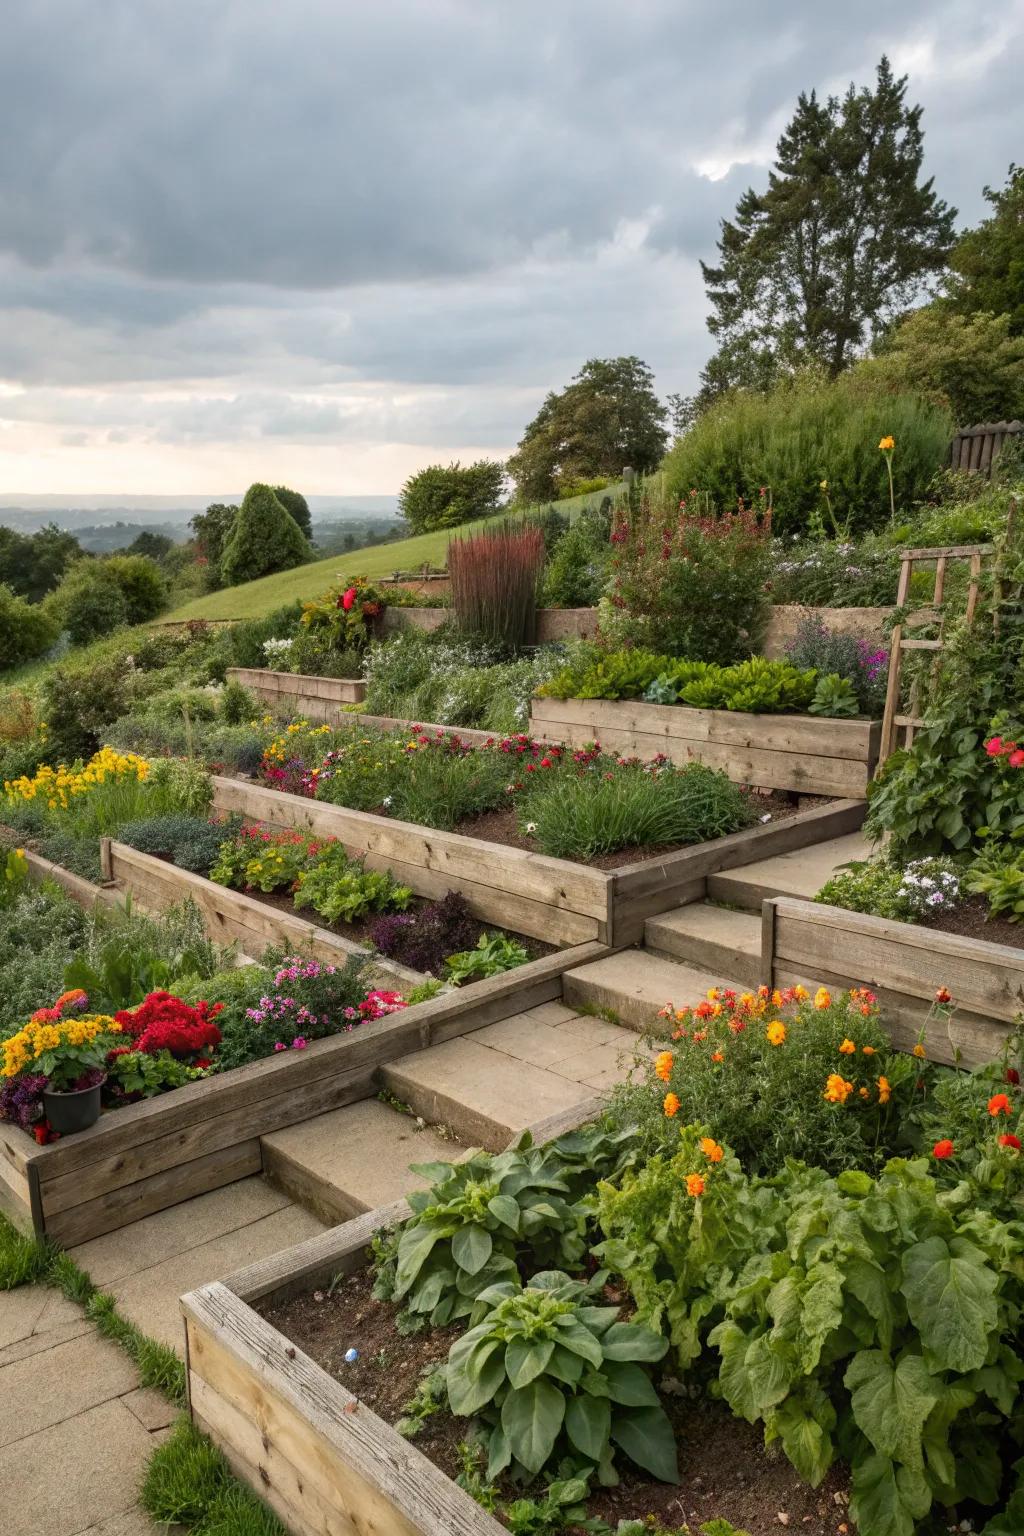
(531, 826)
(386, 800)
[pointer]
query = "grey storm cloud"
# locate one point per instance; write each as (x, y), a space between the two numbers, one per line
(433, 210)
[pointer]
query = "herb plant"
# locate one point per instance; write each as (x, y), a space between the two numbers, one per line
(555, 1377)
(494, 953)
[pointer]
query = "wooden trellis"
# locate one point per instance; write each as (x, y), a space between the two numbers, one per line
(893, 721)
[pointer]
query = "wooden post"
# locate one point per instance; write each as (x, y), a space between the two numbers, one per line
(106, 869)
(768, 941)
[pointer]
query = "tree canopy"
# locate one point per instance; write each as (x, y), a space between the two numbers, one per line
(264, 538)
(988, 262)
(606, 419)
(844, 238)
(297, 507)
(973, 363)
(443, 496)
(32, 564)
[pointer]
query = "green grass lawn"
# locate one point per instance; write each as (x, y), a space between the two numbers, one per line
(308, 581)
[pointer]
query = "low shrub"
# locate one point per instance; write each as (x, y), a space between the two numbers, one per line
(124, 955)
(823, 574)
(425, 938)
(190, 842)
(451, 681)
(862, 662)
(27, 630)
(687, 581)
(237, 704)
(602, 808)
(911, 893)
(78, 704)
(142, 584)
(434, 780)
(88, 602)
(579, 566)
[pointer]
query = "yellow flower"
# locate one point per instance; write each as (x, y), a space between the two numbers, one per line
(801, 993)
(863, 1092)
(887, 444)
(884, 1090)
(712, 1151)
(919, 1051)
(823, 485)
(822, 998)
(847, 1048)
(663, 1065)
(775, 1034)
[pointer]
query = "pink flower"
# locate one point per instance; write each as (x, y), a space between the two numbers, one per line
(994, 746)
(1016, 758)
(279, 1045)
(299, 1043)
(348, 599)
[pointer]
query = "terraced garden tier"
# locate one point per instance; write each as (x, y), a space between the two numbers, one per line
(557, 900)
(807, 753)
(319, 699)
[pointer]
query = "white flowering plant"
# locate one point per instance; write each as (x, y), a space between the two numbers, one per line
(921, 890)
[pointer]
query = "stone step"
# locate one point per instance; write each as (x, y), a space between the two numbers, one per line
(635, 984)
(713, 938)
(800, 873)
(352, 1159)
(546, 1065)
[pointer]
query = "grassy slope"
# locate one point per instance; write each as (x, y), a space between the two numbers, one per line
(308, 581)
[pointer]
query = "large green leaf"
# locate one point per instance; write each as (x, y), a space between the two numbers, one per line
(632, 1341)
(891, 1402)
(565, 1366)
(474, 1377)
(821, 1313)
(531, 1418)
(940, 1453)
(886, 1500)
(526, 1359)
(587, 1422)
(572, 1335)
(754, 1375)
(506, 1210)
(1011, 1521)
(646, 1436)
(805, 1440)
(867, 1282)
(627, 1384)
(414, 1248)
(471, 1248)
(950, 1293)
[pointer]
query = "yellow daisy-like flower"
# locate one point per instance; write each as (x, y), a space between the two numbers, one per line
(775, 1034)
(887, 444)
(919, 1052)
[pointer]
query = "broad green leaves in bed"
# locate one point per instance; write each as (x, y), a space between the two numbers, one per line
(554, 1377)
(869, 1318)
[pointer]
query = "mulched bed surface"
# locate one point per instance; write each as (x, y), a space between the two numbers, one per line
(971, 920)
(726, 1471)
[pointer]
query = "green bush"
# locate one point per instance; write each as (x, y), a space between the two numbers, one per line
(445, 497)
(579, 565)
(89, 602)
(907, 894)
(79, 703)
(757, 686)
(142, 583)
(26, 630)
(191, 842)
(449, 680)
(264, 538)
(805, 431)
(38, 936)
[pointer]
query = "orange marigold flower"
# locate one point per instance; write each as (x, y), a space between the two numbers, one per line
(863, 1092)
(865, 1009)
(884, 1090)
(671, 1105)
(717, 1056)
(776, 998)
(663, 1065)
(837, 1088)
(703, 1010)
(1010, 1141)
(942, 1150)
(847, 1048)
(999, 1104)
(775, 1034)
(763, 991)
(694, 1185)
(868, 1050)
(801, 993)
(823, 998)
(943, 995)
(919, 1051)
(712, 1151)
(699, 1036)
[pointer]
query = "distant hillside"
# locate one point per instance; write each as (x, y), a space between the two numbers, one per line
(164, 514)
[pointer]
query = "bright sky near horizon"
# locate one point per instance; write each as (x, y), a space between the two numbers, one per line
(325, 243)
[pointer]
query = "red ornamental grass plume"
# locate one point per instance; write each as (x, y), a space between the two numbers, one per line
(164, 1023)
(494, 578)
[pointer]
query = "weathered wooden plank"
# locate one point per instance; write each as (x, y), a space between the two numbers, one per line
(340, 1250)
(357, 1464)
(553, 882)
(119, 1207)
(297, 686)
(15, 1185)
(83, 891)
(632, 911)
(235, 917)
(781, 733)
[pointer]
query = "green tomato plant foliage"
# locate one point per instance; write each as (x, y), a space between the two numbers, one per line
(552, 1376)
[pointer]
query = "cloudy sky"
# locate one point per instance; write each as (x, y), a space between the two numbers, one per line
(329, 241)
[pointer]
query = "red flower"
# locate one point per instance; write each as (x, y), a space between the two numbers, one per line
(1010, 1141)
(41, 1134)
(942, 1150)
(164, 1023)
(943, 995)
(994, 746)
(1012, 1076)
(545, 762)
(999, 1104)
(348, 599)
(1016, 758)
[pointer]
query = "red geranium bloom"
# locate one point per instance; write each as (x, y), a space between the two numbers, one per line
(942, 1150)
(1012, 1076)
(348, 599)
(164, 1023)
(994, 746)
(943, 995)
(1016, 758)
(1010, 1141)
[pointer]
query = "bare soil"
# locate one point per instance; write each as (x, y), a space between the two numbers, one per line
(971, 919)
(725, 1470)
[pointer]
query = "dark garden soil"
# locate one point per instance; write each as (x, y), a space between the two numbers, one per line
(725, 1470)
(971, 920)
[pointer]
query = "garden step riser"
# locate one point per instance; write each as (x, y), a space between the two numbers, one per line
(710, 938)
(636, 984)
(800, 874)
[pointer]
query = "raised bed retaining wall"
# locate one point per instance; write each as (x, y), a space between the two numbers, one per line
(796, 752)
(904, 963)
(551, 899)
(164, 1150)
(317, 698)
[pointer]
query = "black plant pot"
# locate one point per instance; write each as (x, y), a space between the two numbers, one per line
(74, 1111)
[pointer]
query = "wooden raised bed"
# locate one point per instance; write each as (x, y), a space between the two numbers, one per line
(904, 964)
(552, 899)
(232, 917)
(322, 1460)
(164, 1150)
(813, 755)
(317, 698)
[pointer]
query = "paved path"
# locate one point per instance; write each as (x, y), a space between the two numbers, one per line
(76, 1428)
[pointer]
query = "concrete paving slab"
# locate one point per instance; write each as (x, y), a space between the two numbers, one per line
(77, 1475)
(524, 1039)
(618, 1057)
(635, 985)
(67, 1381)
(20, 1311)
(167, 1233)
(594, 1031)
(800, 873)
(149, 1297)
(151, 1408)
(21, 1349)
(713, 938)
(353, 1159)
(550, 1013)
(132, 1522)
